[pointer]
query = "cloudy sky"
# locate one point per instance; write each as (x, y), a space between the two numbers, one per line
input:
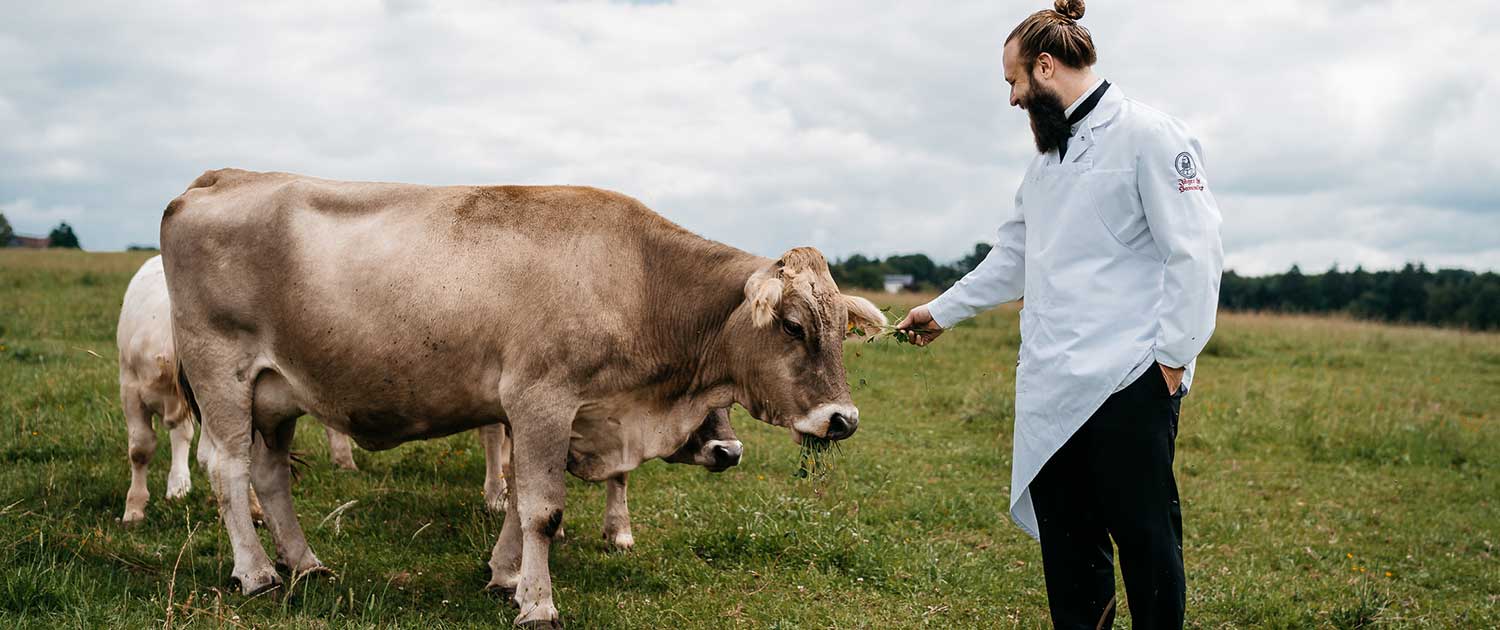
(1341, 131)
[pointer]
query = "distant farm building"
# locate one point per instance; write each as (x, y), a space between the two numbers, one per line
(895, 283)
(28, 242)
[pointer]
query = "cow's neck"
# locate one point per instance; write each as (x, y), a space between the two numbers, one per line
(696, 288)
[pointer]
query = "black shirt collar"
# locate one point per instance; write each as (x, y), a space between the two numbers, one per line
(1082, 112)
(1088, 104)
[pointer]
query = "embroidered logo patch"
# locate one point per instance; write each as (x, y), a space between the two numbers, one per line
(1185, 166)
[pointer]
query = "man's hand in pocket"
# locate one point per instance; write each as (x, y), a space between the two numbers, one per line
(1173, 377)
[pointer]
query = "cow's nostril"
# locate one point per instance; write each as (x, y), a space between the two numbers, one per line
(840, 427)
(725, 456)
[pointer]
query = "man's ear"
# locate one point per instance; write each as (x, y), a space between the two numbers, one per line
(1045, 65)
(863, 314)
(763, 291)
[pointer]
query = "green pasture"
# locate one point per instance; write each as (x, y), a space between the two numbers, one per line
(1333, 474)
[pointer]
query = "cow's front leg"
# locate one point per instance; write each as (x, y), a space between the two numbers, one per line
(539, 455)
(617, 514)
(496, 463)
(180, 478)
(270, 471)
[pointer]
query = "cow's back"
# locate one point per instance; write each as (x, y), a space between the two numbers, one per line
(143, 334)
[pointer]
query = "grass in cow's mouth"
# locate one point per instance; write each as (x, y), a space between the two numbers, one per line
(815, 456)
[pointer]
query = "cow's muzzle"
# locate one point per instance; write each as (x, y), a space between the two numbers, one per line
(724, 454)
(841, 426)
(832, 422)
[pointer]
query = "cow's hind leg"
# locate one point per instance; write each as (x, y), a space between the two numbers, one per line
(617, 514)
(339, 449)
(270, 472)
(180, 479)
(496, 465)
(505, 558)
(142, 445)
(225, 404)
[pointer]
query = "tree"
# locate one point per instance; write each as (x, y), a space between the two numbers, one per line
(1296, 292)
(63, 236)
(1483, 313)
(968, 263)
(5, 232)
(1407, 293)
(1335, 289)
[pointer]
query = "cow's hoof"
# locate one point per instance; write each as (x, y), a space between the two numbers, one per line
(255, 583)
(346, 464)
(494, 500)
(178, 488)
(620, 541)
(132, 518)
(539, 616)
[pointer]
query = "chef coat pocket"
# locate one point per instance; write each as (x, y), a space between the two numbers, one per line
(1075, 168)
(1118, 206)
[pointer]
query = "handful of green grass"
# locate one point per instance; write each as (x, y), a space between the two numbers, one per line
(902, 336)
(887, 330)
(815, 456)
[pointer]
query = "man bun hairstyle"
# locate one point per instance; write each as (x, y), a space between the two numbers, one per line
(1056, 32)
(1071, 9)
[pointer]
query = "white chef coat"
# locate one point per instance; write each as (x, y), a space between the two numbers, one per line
(1116, 250)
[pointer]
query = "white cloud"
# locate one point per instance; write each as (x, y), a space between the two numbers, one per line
(1355, 127)
(30, 219)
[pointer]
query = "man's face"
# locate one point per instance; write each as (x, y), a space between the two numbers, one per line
(1031, 92)
(1015, 74)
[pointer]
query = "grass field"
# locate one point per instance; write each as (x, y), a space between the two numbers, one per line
(1333, 474)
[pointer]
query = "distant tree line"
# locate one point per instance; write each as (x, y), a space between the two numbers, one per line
(1413, 294)
(869, 273)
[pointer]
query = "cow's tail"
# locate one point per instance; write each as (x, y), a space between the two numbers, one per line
(185, 389)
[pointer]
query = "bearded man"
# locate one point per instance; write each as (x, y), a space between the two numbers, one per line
(1114, 244)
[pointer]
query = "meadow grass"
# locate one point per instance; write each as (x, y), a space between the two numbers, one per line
(1333, 474)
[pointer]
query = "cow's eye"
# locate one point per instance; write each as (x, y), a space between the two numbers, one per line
(793, 328)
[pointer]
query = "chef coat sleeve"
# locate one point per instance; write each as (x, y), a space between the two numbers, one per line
(1184, 222)
(998, 279)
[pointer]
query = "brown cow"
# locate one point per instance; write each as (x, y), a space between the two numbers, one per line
(713, 446)
(147, 388)
(598, 332)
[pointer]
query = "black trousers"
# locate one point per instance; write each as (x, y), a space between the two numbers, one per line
(1113, 479)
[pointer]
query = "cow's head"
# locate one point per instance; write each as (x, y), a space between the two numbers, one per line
(788, 346)
(713, 445)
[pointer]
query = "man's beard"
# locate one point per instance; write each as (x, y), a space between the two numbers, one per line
(1049, 119)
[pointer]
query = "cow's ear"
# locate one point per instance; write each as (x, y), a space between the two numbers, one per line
(863, 315)
(763, 291)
